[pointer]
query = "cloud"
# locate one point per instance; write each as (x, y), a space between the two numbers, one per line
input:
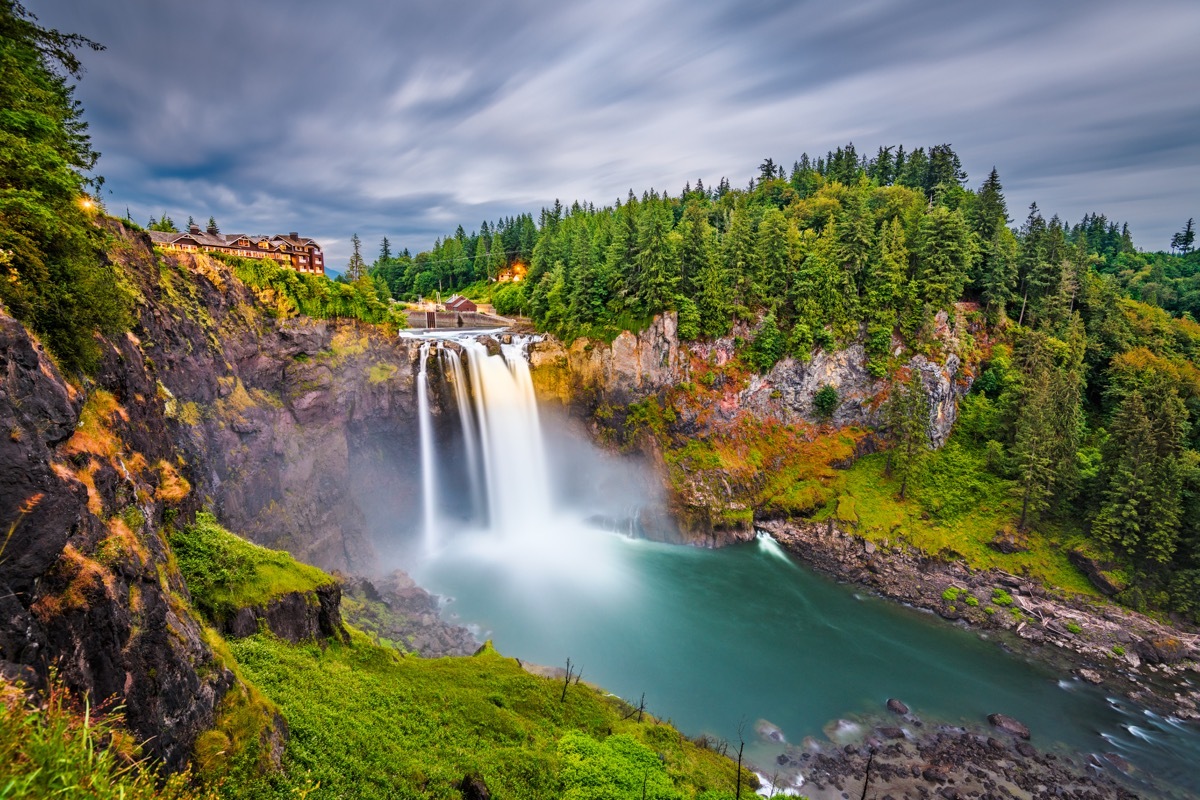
(410, 119)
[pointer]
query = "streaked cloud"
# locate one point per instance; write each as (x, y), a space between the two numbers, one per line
(408, 119)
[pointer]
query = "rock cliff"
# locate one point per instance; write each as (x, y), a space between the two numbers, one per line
(705, 398)
(213, 399)
(88, 479)
(636, 366)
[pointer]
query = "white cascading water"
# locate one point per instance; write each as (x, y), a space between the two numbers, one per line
(515, 522)
(428, 469)
(518, 488)
(462, 396)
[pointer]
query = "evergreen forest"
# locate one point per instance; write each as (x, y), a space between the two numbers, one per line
(1089, 393)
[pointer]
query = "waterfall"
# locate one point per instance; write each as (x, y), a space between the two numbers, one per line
(462, 396)
(428, 469)
(506, 473)
(510, 434)
(494, 503)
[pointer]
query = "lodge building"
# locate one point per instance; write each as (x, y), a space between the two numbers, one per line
(301, 254)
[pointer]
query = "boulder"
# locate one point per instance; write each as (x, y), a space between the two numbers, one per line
(1162, 650)
(473, 787)
(936, 773)
(1097, 570)
(1009, 725)
(1010, 540)
(897, 706)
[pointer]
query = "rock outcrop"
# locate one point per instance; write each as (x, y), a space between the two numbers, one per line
(632, 367)
(88, 477)
(636, 366)
(211, 400)
(294, 617)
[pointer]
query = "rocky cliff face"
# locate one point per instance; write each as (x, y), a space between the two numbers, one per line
(704, 393)
(637, 366)
(88, 478)
(211, 400)
(632, 367)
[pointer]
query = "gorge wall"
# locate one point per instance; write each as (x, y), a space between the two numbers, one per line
(703, 392)
(294, 431)
(636, 366)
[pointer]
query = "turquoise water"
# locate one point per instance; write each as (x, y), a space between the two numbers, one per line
(718, 638)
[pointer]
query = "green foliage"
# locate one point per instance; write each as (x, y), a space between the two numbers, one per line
(63, 748)
(53, 277)
(225, 573)
(315, 295)
(509, 300)
(951, 593)
(618, 766)
(1074, 628)
(1001, 598)
(689, 319)
(906, 415)
(826, 400)
(368, 723)
(768, 346)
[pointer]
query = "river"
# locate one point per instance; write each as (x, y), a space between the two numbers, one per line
(717, 640)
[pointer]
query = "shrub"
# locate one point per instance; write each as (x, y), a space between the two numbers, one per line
(1001, 597)
(689, 320)
(1073, 627)
(951, 594)
(972, 600)
(768, 345)
(826, 400)
(509, 299)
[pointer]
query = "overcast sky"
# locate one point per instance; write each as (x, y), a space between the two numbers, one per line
(410, 118)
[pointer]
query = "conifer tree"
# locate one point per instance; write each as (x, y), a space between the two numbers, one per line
(713, 298)
(773, 266)
(998, 275)
(1140, 511)
(695, 245)
(906, 414)
(385, 252)
(355, 268)
(497, 258)
(588, 291)
(1048, 420)
(855, 229)
(945, 254)
(737, 248)
(657, 266)
(212, 225)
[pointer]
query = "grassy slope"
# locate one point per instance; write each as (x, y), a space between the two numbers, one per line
(65, 750)
(366, 721)
(954, 507)
(225, 573)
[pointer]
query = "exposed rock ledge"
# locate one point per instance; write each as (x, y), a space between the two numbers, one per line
(295, 617)
(1101, 643)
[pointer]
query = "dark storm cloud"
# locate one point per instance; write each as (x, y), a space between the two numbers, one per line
(408, 119)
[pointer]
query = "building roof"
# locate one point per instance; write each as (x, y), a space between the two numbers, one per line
(205, 239)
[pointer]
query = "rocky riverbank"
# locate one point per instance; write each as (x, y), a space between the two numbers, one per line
(903, 758)
(1153, 664)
